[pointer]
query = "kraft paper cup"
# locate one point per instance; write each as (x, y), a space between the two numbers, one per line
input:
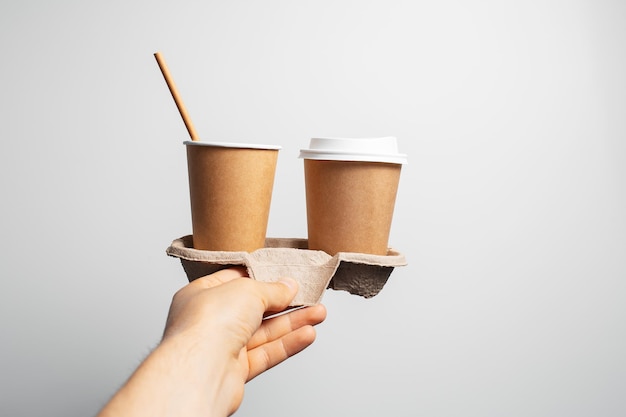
(230, 188)
(351, 187)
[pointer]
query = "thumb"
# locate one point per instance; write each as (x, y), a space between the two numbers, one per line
(277, 295)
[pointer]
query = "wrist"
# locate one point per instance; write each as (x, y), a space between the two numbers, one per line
(196, 373)
(179, 377)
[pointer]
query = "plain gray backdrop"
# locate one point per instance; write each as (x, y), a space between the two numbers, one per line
(510, 211)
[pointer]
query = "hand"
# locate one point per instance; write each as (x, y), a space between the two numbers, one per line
(215, 340)
(231, 307)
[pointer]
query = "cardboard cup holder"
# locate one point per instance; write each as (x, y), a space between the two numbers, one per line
(357, 273)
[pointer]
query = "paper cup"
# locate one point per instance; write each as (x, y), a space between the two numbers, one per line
(351, 187)
(230, 188)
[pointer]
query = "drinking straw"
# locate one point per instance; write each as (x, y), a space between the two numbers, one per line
(179, 102)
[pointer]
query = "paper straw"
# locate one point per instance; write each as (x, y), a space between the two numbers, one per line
(179, 102)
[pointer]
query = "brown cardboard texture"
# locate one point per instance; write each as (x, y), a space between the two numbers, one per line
(350, 205)
(357, 273)
(230, 191)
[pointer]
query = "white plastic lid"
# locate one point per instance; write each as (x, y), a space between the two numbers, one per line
(232, 145)
(383, 149)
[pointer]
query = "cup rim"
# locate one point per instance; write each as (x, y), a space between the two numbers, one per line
(233, 145)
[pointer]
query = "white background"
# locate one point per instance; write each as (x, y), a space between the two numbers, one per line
(510, 211)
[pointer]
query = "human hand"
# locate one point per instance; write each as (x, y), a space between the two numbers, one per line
(215, 340)
(228, 305)
(224, 311)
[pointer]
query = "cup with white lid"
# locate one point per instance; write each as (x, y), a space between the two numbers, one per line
(230, 188)
(351, 186)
